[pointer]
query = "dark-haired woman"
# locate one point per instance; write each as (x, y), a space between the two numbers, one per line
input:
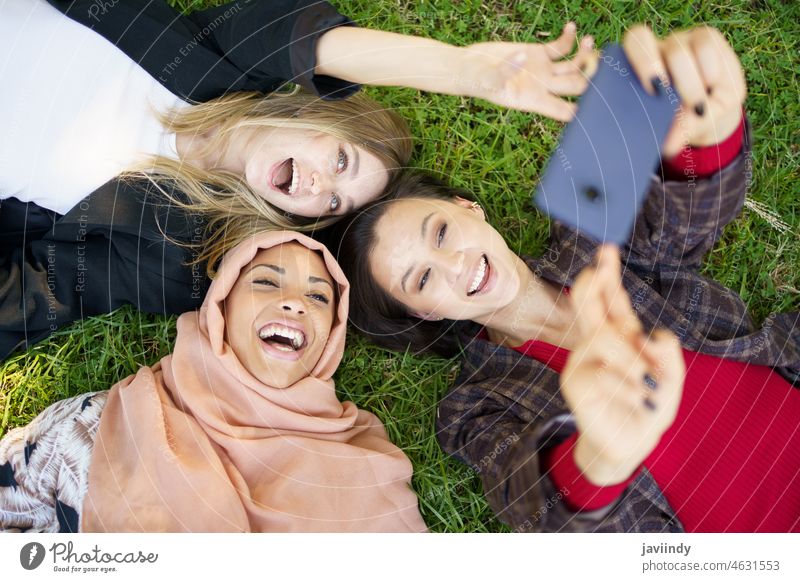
(578, 412)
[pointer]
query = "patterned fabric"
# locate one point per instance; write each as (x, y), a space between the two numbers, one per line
(44, 466)
(506, 407)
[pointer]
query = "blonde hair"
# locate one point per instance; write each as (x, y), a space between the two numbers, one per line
(231, 210)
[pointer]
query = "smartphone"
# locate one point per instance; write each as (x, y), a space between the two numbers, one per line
(598, 176)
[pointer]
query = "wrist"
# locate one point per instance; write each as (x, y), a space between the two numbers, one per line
(599, 467)
(721, 131)
(701, 162)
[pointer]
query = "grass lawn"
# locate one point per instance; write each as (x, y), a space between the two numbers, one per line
(497, 154)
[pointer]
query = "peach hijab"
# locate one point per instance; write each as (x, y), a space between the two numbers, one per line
(196, 443)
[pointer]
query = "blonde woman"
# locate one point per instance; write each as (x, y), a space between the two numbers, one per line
(176, 104)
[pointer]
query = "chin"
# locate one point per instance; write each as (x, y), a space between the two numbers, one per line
(266, 376)
(279, 383)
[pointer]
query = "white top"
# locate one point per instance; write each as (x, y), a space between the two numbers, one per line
(75, 111)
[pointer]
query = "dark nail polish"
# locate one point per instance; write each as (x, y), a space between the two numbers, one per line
(700, 109)
(649, 404)
(656, 83)
(650, 382)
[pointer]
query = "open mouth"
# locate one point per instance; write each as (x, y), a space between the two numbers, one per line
(286, 177)
(282, 338)
(481, 276)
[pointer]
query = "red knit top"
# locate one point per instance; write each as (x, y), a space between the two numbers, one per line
(731, 459)
(729, 462)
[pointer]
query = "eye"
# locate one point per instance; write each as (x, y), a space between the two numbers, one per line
(341, 163)
(335, 202)
(440, 234)
(319, 297)
(265, 282)
(424, 279)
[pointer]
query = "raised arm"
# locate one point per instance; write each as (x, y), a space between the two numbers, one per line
(704, 175)
(257, 45)
(526, 76)
(623, 387)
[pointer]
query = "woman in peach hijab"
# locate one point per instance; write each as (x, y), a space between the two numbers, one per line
(239, 429)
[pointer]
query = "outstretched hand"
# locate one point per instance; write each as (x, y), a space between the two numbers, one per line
(707, 75)
(622, 386)
(529, 76)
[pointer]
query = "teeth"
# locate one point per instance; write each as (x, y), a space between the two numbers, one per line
(295, 178)
(297, 337)
(478, 276)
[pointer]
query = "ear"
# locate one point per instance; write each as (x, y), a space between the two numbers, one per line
(470, 205)
(425, 316)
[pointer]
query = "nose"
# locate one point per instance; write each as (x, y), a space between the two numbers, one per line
(451, 263)
(293, 304)
(320, 183)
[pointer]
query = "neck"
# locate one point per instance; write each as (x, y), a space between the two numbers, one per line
(539, 311)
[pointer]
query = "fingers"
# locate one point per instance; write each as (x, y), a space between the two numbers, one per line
(571, 77)
(642, 49)
(587, 295)
(574, 84)
(616, 353)
(519, 95)
(598, 295)
(580, 63)
(555, 108)
(562, 46)
(534, 81)
(662, 351)
(685, 73)
(668, 370)
(720, 67)
(589, 57)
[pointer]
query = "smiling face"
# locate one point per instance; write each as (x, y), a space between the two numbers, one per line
(441, 259)
(279, 314)
(309, 173)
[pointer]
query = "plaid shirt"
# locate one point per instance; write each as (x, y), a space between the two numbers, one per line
(506, 407)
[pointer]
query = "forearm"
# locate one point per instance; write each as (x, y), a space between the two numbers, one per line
(524, 493)
(374, 57)
(563, 464)
(681, 220)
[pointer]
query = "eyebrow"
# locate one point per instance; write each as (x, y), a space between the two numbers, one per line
(282, 271)
(411, 268)
(320, 280)
(356, 158)
(275, 268)
(425, 224)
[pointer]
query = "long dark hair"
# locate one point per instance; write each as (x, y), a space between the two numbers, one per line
(373, 312)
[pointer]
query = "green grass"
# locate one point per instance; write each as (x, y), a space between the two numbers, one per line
(497, 154)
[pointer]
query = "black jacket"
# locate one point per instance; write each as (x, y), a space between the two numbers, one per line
(248, 45)
(116, 247)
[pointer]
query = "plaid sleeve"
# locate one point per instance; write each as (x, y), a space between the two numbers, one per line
(681, 220)
(502, 414)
